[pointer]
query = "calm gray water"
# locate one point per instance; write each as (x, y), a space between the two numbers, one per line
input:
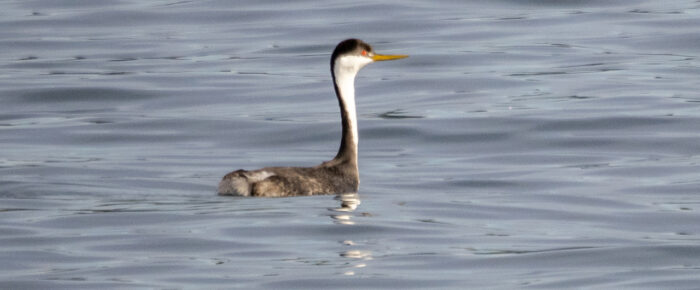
(524, 144)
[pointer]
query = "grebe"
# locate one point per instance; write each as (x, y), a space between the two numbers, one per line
(339, 175)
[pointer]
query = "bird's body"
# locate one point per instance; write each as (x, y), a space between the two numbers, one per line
(326, 178)
(339, 175)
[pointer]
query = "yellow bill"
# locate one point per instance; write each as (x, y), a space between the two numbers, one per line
(381, 57)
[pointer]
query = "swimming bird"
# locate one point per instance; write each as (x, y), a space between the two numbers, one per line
(339, 175)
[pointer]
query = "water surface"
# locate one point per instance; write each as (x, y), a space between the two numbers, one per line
(524, 144)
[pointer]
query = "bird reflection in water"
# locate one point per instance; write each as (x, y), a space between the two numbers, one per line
(348, 204)
(343, 215)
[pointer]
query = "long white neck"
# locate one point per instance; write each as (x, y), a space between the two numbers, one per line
(345, 69)
(346, 90)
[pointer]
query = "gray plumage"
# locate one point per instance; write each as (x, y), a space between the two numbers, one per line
(336, 176)
(326, 178)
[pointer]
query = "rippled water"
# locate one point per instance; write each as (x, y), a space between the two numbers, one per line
(524, 144)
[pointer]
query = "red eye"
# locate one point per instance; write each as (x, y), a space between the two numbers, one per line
(364, 52)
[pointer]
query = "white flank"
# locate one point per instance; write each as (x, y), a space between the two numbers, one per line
(256, 176)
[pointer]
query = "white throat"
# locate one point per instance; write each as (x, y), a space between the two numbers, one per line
(345, 69)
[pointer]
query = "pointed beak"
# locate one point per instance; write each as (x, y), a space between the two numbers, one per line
(381, 57)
